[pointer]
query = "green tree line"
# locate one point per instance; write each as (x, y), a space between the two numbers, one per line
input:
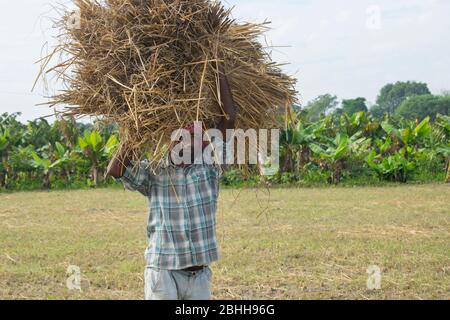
(405, 136)
(58, 155)
(359, 146)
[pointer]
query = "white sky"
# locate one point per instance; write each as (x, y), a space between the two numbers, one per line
(337, 47)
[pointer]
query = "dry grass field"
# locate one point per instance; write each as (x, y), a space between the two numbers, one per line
(282, 244)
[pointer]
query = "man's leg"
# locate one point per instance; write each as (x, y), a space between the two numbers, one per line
(160, 285)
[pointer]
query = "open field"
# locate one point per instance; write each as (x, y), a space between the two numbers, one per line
(286, 244)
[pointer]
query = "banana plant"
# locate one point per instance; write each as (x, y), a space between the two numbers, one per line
(40, 133)
(11, 135)
(20, 161)
(395, 167)
(296, 139)
(46, 165)
(96, 150)
(353, 123)
(4, 143)
(294, 143)
(69, 130)
(412, 135)
(394, 158)
(441, 142)
(444, 151)
(66, 158)
(331, 157)
(288, 141)
(4, 140)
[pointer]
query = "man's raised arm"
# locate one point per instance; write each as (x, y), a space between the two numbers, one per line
(226, 97)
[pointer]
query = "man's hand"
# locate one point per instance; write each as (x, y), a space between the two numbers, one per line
(119, 162)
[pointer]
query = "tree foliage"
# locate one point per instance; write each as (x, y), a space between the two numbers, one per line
(352, 106)
(392, 95)
(321, 106)
(420, 107)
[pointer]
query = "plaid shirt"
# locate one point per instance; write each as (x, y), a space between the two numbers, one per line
(182, 221)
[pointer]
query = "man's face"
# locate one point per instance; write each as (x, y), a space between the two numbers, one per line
(188, 146)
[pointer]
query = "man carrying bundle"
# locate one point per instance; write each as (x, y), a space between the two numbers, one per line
(182, 222)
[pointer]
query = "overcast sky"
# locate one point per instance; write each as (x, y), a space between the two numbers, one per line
(350, 48)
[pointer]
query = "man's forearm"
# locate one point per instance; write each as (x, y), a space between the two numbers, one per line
(118, 164)
(227, 101)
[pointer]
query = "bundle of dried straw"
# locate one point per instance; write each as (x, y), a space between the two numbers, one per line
(151, 66)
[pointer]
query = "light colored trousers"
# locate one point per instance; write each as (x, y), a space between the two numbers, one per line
(177, 285)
